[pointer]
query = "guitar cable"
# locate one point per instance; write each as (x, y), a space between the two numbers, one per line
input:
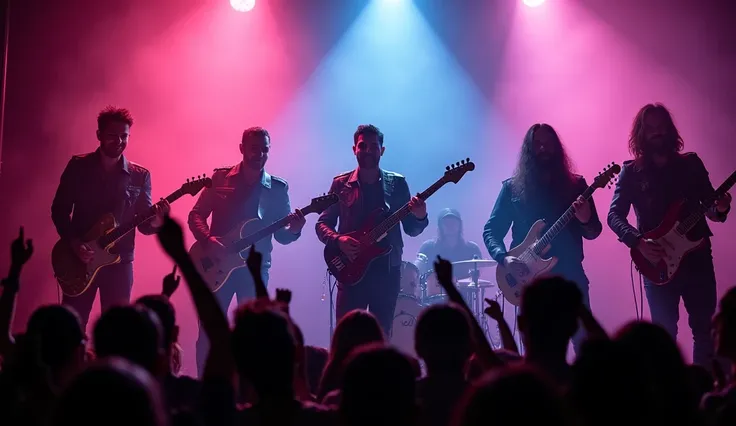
(633, 291)
(638, 303)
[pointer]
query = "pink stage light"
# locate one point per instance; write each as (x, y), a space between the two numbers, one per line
(533, 3)
(243, 5)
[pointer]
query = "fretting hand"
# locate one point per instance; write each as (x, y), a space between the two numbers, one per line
(160, 210)
(723, 203)
(296, 222)
(418, 207)
(582, 210)
(20, 249)
(171, 283)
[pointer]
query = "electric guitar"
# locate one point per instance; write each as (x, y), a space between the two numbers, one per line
(73, 275)
(216, 268)
(349, 272)
(534, 247)
(671, 234)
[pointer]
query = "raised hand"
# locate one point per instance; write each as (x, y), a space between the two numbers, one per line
(443, 269)
(171, 283)
(283, 296)
(171, 238)
(20, 249)
(254, 262)
(494, 310)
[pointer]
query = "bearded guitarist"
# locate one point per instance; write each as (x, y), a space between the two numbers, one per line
(543, 187)
(239, 193)
(363, 191)
(97, 183)
(658, 176)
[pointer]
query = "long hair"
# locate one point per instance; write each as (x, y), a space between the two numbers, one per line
(526, 176)
(637, 138)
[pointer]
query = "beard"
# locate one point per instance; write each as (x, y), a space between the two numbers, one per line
(255, 163)
(112, 150)
(368, 161)
(658, 145)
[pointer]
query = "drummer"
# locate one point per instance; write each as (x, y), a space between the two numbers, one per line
(449, 243)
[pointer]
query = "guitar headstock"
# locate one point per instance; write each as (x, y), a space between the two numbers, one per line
(455, 172)
(320, 204)
(194, 185)
(605, 178)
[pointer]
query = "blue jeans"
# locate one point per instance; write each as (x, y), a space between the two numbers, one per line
(240, 284)
(114, 282)
(695, 283)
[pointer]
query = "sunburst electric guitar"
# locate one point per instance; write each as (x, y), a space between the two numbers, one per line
(349, 272)
(534, 247)
(216, 268)
(671, 234)
(73, 275)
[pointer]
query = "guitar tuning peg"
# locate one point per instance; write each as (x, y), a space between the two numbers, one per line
(462, 161)
(447, 168)
(468, 159)
(457, 164)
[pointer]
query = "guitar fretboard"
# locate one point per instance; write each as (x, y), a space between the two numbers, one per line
(122, 230)
(560, 224)
(398, 215)
(686, 225)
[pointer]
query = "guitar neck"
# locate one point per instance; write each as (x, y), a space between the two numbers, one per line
(560, 224)
(399, 214)
(686, 225)
(124, 229)
(251, 239)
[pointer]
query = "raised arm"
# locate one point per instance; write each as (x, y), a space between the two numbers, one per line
(413, 226)
(498, 225)
(63, 204)
(620, 207)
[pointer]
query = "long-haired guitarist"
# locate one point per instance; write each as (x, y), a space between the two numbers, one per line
(93, 185)
(241, 192)
(543, 187)
(363, 191)
(657, 177)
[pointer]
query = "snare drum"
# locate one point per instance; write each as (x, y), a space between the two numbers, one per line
(433, 286)
(409, 279)
(405, 320)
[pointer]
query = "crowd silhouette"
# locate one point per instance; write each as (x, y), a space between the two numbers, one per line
(260, 372)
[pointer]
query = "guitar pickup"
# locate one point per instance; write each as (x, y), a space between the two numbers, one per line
(337, 263)
(511, 280)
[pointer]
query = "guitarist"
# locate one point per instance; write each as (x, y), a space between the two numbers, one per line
(93, 185)
(543, 187)
(362, 191)
(238, 193)
(657, 177)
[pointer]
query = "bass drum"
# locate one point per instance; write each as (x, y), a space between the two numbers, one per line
(406, 312)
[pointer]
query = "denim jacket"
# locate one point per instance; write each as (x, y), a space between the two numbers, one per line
(222, 201)
(349, 211)
(86, 192)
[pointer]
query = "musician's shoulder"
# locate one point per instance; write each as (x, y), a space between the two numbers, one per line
(222, 170)
(507, 181)
(394, 174)
(136, 168)
(278, 181)
(343, 175)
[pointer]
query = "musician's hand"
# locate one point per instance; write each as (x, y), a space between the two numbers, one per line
(418, 207)
(83, 251)
(582, 210)
(443, 269)
(651, 250)
(20, 249)
(723, 203)
(171, 283)
(171, 238)
(517, 267)
(215, 246)
(349, 245)
(494, 310)
(296, 222)
(160, 209)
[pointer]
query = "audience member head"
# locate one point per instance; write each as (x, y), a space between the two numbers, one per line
(133, 333)
(510, 396)
(549, 314)
(378, 388)
(443, 338)
(113, 392)
(316, 360)
(164, 310)
(56, 333)
(265, 350)
(724, 326)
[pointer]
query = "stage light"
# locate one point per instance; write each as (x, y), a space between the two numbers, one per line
(243, 5)
(533, 3)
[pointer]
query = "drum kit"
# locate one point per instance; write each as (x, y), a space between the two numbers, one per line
(419, 291)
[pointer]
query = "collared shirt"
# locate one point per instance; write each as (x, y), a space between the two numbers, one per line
(231, 201)
(87, 191)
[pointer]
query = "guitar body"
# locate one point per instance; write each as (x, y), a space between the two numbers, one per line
(676, 247)
(350, 272)
(73, 275)
(512, 285)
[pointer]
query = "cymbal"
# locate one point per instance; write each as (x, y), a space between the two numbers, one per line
(479, 263)
(481, 283)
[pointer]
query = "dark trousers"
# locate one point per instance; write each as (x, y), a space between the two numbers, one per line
(576, 274)
(240, 284)
(377, 292)
(114, 282)
(695, 283)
